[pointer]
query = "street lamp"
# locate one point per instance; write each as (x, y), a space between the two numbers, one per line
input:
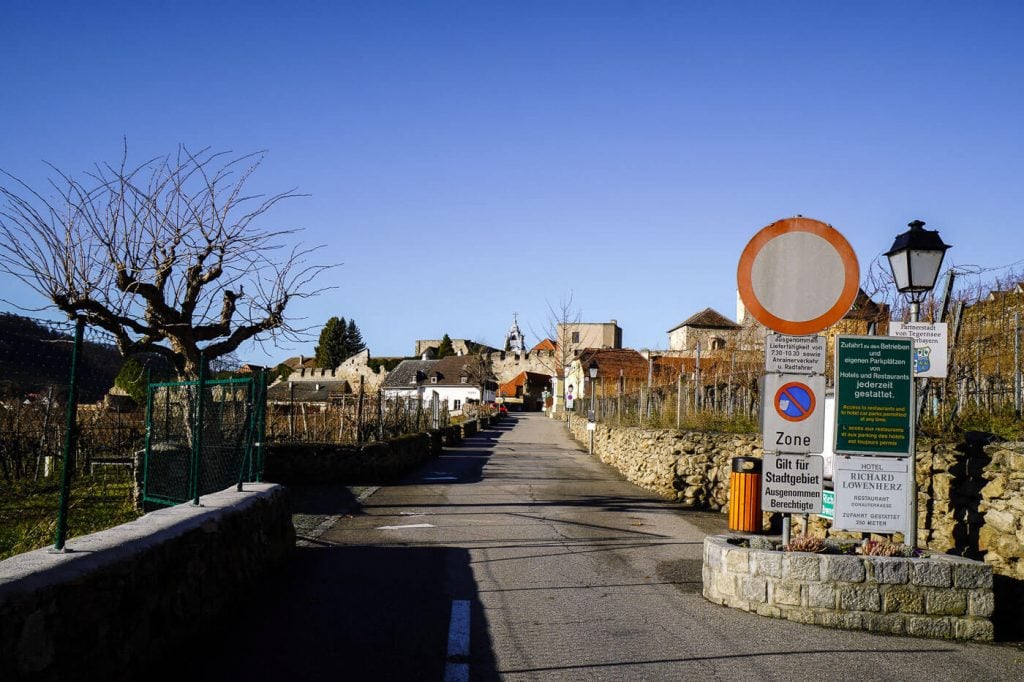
(592, 370)
(915, 259)
(592, 417)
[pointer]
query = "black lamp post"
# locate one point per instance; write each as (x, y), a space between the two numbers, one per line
(915, 259)
(592, 370)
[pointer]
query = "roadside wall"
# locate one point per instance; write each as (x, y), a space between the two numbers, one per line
(690, 467)
(126, 596)
(370, 464)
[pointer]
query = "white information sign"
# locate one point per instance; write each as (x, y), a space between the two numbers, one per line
(795, 354)
(793, 413)
(871, 494)
(931, 346)
(792, 484)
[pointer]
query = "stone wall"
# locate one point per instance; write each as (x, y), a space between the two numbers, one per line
(370, 464)
(935, 596)
(131, 594)
(690, 467)
(506, 365)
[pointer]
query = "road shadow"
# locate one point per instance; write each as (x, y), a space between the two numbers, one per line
(339, 612)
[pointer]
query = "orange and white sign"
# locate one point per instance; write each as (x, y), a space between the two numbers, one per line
(798, 276)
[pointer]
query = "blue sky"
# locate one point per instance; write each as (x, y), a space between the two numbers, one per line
(468, 160)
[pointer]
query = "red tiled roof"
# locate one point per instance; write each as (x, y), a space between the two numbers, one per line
(546, 344)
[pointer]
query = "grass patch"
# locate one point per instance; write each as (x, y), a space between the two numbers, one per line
(28, 509)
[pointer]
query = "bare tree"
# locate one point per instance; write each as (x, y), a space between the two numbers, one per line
(558, 325)
(167, 256)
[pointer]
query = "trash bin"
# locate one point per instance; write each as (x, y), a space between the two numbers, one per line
(745, 495)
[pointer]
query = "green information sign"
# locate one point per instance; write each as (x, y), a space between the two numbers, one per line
(828, 504)
(874, 385)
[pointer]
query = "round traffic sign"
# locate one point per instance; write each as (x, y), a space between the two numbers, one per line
(794, 401)
(798, 276)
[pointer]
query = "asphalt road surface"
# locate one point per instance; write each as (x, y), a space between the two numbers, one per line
(519, 557)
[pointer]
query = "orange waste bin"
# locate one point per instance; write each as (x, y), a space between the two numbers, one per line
(745, 495)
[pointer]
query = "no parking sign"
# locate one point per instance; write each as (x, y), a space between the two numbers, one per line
(793, 414)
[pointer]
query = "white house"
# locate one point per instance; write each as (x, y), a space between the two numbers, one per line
(456, 380)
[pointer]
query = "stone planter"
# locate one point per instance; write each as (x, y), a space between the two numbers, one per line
(938, 595)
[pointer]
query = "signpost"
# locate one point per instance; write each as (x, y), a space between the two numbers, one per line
(874, 393)
(792, 483)
(794, 415)
(794, 354)
(828, 504)
(872, 494)
(798, 276)
(931, 346)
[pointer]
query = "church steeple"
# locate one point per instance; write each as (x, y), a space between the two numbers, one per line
(514, 337)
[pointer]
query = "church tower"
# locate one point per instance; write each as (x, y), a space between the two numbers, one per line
(514, 337)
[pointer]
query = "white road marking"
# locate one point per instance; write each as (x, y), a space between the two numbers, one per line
(457, 669)
(411, 525)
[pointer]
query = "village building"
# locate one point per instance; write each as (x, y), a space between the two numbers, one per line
(457, 381)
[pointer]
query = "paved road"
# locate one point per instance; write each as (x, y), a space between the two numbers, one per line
(552, 568)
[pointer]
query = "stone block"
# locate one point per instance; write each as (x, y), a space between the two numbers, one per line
(768, 564)
(973, 574)
(797, 566)
(931, 573)
(859, 598)
(890, 570)
(891, 623)
(975, 629)
(994, 488)
(713, 555)
(981, 603)
(821, 595)
(784, 593)
(805, 616)
(768, 610)
(838, 619)
(902, 599)
(1002, 521)
(754, 589)
(946, 602)
(927, 626)
(847, 569)
(724, 585)
(737, 560)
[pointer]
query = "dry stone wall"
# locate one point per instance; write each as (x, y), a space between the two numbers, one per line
(690, 467)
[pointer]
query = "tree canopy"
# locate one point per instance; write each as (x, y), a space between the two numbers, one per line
(338, 340)
(445, 348)
(167, 255)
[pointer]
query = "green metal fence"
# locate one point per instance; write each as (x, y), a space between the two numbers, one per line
(202, 436)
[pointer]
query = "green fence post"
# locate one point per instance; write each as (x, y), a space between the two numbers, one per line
(197, 435)
(149, 431)
(70, 440)
(261, 425)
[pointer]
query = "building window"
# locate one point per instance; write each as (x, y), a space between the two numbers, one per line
(433, 380)
(457, 404)
(465, 380)
(575, 337)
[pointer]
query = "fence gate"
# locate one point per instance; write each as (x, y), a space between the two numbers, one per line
(202, 437)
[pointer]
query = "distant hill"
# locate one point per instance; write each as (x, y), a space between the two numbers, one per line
(34, 357)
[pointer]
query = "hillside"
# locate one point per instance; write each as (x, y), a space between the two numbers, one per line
(33, 358)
